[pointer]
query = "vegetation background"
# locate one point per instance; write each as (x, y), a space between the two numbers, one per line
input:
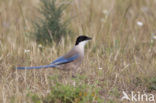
(121, 56)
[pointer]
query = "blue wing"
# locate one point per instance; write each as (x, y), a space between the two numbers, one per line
(62, 60)
(38, 67)
(55, 63)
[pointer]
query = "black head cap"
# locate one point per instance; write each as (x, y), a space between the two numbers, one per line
(82, 38)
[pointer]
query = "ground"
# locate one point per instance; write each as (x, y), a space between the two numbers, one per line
(121, 56)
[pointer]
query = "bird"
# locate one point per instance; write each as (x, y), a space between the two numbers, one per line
(70, 60)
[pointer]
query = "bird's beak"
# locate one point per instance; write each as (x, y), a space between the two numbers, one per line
(89, 38)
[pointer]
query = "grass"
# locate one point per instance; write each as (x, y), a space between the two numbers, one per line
(124, 50)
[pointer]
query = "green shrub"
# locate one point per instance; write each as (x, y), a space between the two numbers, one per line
(152, 84)
(35, 99)
(67, 93)
(51, 27)
(71, 94)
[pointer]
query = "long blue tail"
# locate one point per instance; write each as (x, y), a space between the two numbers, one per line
(38, 67)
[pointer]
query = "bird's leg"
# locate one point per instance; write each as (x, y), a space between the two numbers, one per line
(74, 71)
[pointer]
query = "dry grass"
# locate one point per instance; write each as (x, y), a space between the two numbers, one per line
(120, 47)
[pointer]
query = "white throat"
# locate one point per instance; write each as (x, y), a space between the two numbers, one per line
(82, 44)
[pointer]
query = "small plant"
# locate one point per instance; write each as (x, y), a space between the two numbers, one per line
(68, 93)
(35, 99)
(71, 94)
(152, 84)
(51, 27)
